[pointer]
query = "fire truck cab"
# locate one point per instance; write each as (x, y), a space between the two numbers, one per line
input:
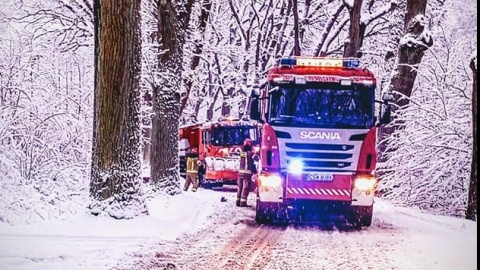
(318, 141)
(219, 144)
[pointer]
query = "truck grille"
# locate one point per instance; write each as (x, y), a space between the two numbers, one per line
(321, 155)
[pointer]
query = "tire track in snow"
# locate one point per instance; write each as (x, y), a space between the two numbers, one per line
(233, 241)
(230, 244)
(188, 248)
(249, 249)
(190, 251)
(195, 250)
(262, 255)
(317, 248)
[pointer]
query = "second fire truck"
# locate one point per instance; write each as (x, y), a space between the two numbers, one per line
(219, 144)
(318, 146)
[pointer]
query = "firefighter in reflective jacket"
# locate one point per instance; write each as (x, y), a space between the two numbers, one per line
(246, 170)
(192, 170)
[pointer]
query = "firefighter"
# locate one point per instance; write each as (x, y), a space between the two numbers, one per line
(246, 170)
(192, 170)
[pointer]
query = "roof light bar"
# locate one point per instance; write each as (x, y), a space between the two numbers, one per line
(320, 62)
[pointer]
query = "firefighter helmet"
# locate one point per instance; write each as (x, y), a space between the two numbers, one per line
(248, 142)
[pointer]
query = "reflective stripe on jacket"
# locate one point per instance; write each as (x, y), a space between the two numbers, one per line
(192, 166)
(247, 166)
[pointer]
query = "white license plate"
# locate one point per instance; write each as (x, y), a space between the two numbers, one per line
(325, 177)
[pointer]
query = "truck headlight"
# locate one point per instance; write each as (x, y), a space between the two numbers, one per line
(295, 166)
(271, 180)
(365, 182)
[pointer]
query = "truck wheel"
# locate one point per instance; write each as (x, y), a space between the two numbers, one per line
(361, 216)
(262, 213)
(366, 216)
(366, 220)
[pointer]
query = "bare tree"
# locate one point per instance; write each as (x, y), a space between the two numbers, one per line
(323, 43)
(472, 190)
(197, 50)
(296, 30)
(116, 142)
(352, 45)
(166, 95)
(428, 160)
(416, 40)
(72, 21)
(413, 45)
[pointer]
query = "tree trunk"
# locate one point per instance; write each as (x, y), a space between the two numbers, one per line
(227, 101)
(472, 190)
(116, 131)
(211, 106)
(296, 30)
(322, 44)
(166, 102)
(413, 45)
(352, 46)
(197, 51)
(96, 23)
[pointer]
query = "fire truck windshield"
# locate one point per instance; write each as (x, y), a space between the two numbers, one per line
(233, 135)
(320, 106)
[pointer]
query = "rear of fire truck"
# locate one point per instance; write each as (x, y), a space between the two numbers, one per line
(220, 147)
(219, 144)
(318, 146)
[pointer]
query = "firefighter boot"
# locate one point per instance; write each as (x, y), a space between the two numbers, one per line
(243, 203)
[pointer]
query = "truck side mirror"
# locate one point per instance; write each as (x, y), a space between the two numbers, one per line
(255, 109)
(387, 114)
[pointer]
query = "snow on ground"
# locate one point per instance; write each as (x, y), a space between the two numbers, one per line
(87, 242)
(441, 242)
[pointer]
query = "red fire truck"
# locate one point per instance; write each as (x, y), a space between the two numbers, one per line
(219, 144)
(318, 140)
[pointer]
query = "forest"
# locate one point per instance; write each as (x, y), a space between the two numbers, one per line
(65, 141)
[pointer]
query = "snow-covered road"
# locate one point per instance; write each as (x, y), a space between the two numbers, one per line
(399, 238)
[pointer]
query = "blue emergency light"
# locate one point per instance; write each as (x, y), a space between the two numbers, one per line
(320, 62)
(351, 63)
(288, 62)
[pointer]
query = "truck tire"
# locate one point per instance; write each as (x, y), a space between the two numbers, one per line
(361, 216)
(366, 216)
(366, 220)
(262, 215)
